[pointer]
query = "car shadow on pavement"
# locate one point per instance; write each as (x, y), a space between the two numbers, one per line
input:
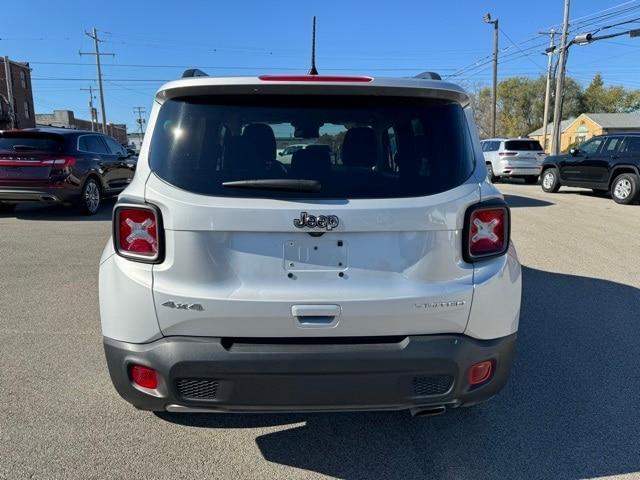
(516, 201)
(60, 212)
(570, 409)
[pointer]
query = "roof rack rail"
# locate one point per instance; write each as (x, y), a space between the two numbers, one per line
(429, 76)
(193, 72)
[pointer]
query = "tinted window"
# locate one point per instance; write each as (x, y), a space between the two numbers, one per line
(92, 143)
(591, 146)
(21, 141)
(357, 147)
(612, 145)
(632, 145)
(114, 146)
(522, 145)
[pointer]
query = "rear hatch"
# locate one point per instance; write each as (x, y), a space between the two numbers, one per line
(27, 157)
(524, 152)
(359, 235)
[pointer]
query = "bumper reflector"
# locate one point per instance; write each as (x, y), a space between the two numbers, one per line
(480, 372)
(144, 376)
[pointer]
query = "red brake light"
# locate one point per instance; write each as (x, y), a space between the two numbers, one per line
(144, 376)
(61, 162)
(137, 232)
(480, 372)
(486, 231)
(26, 162)
(315, 78)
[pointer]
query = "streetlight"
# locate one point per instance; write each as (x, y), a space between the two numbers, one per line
(494, 95)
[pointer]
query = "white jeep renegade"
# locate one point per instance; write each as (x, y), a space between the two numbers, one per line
(373, 271)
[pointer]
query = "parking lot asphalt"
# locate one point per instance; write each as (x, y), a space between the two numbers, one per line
(570, 410)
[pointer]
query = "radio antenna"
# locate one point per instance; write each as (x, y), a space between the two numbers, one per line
(313, 70)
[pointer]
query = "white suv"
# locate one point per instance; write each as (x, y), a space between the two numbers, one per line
(375, 272)
(513, 158)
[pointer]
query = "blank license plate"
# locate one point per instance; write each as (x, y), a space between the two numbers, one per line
(315, 254)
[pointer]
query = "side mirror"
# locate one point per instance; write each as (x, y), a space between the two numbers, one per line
(575, 152)
(281, 153)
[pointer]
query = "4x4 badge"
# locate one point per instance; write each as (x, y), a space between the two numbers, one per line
(183, 306)
(328, 222)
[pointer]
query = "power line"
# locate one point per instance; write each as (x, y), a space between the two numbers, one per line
(587, 20)
(576, 20)
(244, 67)
(522, 51)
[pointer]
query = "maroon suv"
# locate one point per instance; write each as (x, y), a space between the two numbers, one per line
(54, 165)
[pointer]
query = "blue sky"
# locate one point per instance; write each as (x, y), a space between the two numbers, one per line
(252, 37)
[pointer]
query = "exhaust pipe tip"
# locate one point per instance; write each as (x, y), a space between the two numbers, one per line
(428, 411)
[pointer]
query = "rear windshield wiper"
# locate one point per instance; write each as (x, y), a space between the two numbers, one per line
(293, 184)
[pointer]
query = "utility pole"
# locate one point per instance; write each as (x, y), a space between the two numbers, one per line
(92, 111)
(141, 121)
(547, 93)
(494, 91)
(562, 63)
(7, 73)
(97, 54)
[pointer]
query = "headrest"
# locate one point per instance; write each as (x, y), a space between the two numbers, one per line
(259, 142)
(360, 147)
(310, 162)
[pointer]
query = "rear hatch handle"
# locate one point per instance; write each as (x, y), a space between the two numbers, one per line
(316, 316)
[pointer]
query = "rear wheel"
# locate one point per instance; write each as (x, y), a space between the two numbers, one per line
(624, 188)
(550, 180)
(490, 175)
(7, 207)
(90, 198)
(531, 180)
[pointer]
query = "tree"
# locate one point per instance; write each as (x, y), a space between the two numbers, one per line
(521, 103)
(573, 104)
(601, 99)
(481, 104)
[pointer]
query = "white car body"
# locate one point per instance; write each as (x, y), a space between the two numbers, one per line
(509, 161)
(239, 271)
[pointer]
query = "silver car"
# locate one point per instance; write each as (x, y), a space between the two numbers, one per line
(513, 158)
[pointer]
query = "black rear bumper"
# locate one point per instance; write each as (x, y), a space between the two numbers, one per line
(43, 195)
(253, 375)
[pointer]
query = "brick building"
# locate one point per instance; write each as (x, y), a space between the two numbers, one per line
(22, 95)
(66, 119)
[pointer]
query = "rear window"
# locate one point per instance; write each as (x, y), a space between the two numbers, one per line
(15, 142)
(351, 147)
(526, 145)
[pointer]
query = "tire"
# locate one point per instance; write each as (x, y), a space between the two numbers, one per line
(490, 176)
(531, 180)
(7, 207)
(90, 197)
(625, 188)
(550, 180)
